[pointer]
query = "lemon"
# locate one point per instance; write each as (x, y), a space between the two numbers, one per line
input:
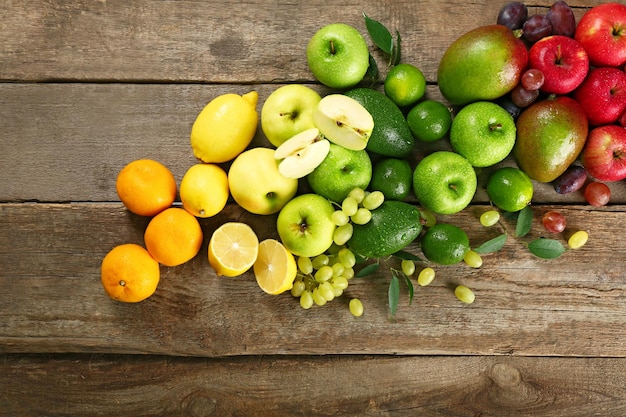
(233, 249)
(275, 268)
(204, 190)
(225, 127)
(405, 84)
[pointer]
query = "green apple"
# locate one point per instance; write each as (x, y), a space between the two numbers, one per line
(301, 154)
(483, 132)
(342, 170)
(287, 111)
(305, 225)
(338, 55)
(444, 182)
(256, 184)
(344, 121)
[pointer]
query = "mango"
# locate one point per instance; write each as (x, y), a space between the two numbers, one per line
(551, 133)
(483, 64)
(394, 225)
(391, 135)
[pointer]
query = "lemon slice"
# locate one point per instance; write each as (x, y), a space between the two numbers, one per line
(275, 268)
(233, 249)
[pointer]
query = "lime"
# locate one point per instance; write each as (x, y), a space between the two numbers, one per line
(510, 189)
(445, 244)
(405, 84)
(393, 177)
(429, 120)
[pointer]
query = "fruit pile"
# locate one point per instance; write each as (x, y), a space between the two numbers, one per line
(340, 169)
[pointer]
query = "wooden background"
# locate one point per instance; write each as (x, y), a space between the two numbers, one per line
(88, 86)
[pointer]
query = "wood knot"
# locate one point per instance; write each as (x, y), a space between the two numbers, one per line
(505, 375)
(199, 404)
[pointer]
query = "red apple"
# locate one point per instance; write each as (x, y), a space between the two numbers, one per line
(604, 154)
(602, 32)
(603, 95)
(563, 61)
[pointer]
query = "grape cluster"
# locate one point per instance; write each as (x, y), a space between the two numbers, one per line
(325, 277)
(559, 20)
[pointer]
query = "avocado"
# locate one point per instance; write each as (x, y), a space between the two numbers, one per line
(393, 226)
(391, 135)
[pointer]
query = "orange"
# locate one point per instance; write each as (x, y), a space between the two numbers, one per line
(173, 236)
(129, 273)
(146, 187)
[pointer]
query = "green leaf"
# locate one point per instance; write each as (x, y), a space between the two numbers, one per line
(546, 248)
(397, 54)
(394, 294)
(408, 256)
(409, 285)
(524, 222)
(372, 69)
(492, 245)
(379, 34)
(367, 270)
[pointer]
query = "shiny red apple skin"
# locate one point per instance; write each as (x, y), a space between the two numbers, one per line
(603, 95)
(604, 154)
(563, 61)
(602, 32)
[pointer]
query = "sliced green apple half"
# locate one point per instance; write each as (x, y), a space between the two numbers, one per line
(302, 153)
(344, 121)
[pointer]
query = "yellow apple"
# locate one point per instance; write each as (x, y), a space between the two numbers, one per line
(256, 184)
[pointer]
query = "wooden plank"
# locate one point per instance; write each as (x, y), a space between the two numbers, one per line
(525, 305)
(67, 142)
(94, 385)
(190, 41)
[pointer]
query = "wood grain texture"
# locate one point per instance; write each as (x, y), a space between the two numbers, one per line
(331, 385)
(525, 305)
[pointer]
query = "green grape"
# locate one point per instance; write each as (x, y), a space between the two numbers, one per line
(339, 217)
(408, 267)
(343, 233)
(318, 298)
(326, 290)
(306, 300)
(348, 272)
(346, 257)
(358, 194)
(356, 307)
(464, 294)
(324, 274)
(298, 288)
(339, 282)
(319, 261)
(305, 265)
(338, 269)
(473, 259)
(349, 206)
(428, 218)
(426, 276)
(489, 218)
(362, 216)
(373, 200)
(337, 291)
(578, 239)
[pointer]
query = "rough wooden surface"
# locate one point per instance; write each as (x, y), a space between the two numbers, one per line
(87, 86)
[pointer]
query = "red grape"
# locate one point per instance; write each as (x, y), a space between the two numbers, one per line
(553, 221)
(562, 19)
(597, 194)
(532, 79)
(571, 180)
(536, 27)
(522, 97)
(513, 15)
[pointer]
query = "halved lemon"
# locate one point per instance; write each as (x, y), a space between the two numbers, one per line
(275, 268)
(233, 249)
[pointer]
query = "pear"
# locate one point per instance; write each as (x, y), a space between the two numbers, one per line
(551, 133)
(483, 64)
(302, 153)
(344, 121)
